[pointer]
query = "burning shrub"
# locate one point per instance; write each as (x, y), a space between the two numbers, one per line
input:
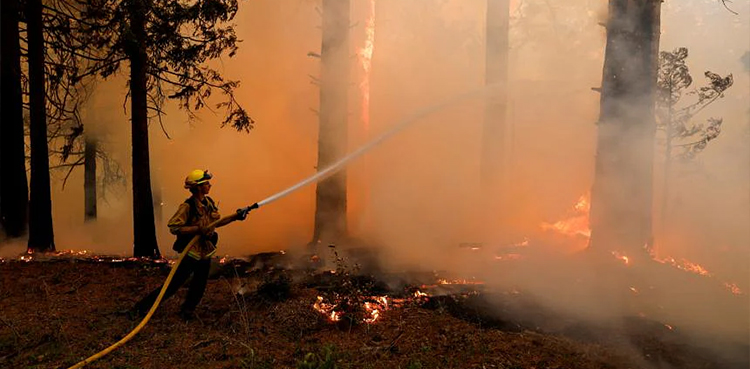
(347, 297)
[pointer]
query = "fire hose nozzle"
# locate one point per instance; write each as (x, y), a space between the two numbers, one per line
(242, 212)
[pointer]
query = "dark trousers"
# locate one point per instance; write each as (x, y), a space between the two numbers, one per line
(198, 268)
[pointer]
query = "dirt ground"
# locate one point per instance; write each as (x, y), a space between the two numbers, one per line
(55, 313)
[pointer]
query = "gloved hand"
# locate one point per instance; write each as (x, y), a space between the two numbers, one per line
(242, 212)
(207, 231)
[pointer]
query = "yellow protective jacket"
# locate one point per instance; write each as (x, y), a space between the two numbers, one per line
(202, 214)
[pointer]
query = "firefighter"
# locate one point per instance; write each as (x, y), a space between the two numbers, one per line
(193, 217)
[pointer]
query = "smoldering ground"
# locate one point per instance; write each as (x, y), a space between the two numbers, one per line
(418, 197)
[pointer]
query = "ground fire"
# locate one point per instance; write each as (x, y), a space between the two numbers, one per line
(282, 184)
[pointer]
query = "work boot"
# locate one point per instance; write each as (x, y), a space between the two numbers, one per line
(187, 315)
(132, 314)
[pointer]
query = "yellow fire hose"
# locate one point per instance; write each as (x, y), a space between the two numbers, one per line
(145, 320)
(333, 168)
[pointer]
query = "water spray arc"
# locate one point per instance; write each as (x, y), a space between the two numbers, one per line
(398, 127)
(402, 124)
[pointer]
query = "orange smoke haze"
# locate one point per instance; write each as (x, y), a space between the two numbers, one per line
(418, 195)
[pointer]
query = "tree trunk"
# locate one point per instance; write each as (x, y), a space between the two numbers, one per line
(157, 195)
(144, 237)
(14, 195)
(621, 199)
(330, 194)
(89, 178)
(667, 167)
(496, 106)
(41, 237)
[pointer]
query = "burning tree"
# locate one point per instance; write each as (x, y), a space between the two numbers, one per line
(682, 138)
(621, 197)
(330, 194)
(496, 73)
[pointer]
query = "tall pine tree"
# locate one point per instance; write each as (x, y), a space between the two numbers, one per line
(167, 45)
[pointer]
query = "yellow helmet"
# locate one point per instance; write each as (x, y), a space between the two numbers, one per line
(197, 177)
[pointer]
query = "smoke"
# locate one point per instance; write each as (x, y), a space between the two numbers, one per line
(426, 195)
(418, 196)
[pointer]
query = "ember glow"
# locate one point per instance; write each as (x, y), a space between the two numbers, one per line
(86, 255)
(327, 309)
(372, 311)
(459, 281)
(733, 288)
(508, 257)
(373, 308)
(684, 265)
(622, 257)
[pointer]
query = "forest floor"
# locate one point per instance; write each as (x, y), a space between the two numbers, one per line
(56, 312)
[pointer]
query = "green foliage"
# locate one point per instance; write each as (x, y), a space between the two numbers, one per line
(414, 364)
(181, 38)
(675, 116)
(252, 361)
(325, 359)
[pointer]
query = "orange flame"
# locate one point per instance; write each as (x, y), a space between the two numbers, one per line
(733, 288)
(577, 224)
(373, 311)
(327, 309)
(507, 257)
(373, 308)
(365, 54)
(683, 264)
(458, 281)
(622, 257)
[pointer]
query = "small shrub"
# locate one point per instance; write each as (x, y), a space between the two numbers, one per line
(325, 359)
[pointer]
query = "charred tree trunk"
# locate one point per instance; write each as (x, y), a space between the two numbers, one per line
(14, 196)
(621, 199)
(41, 237)
(89, 178)
(668, 129)
(496, 105)
(144, 237)
(330, 194)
